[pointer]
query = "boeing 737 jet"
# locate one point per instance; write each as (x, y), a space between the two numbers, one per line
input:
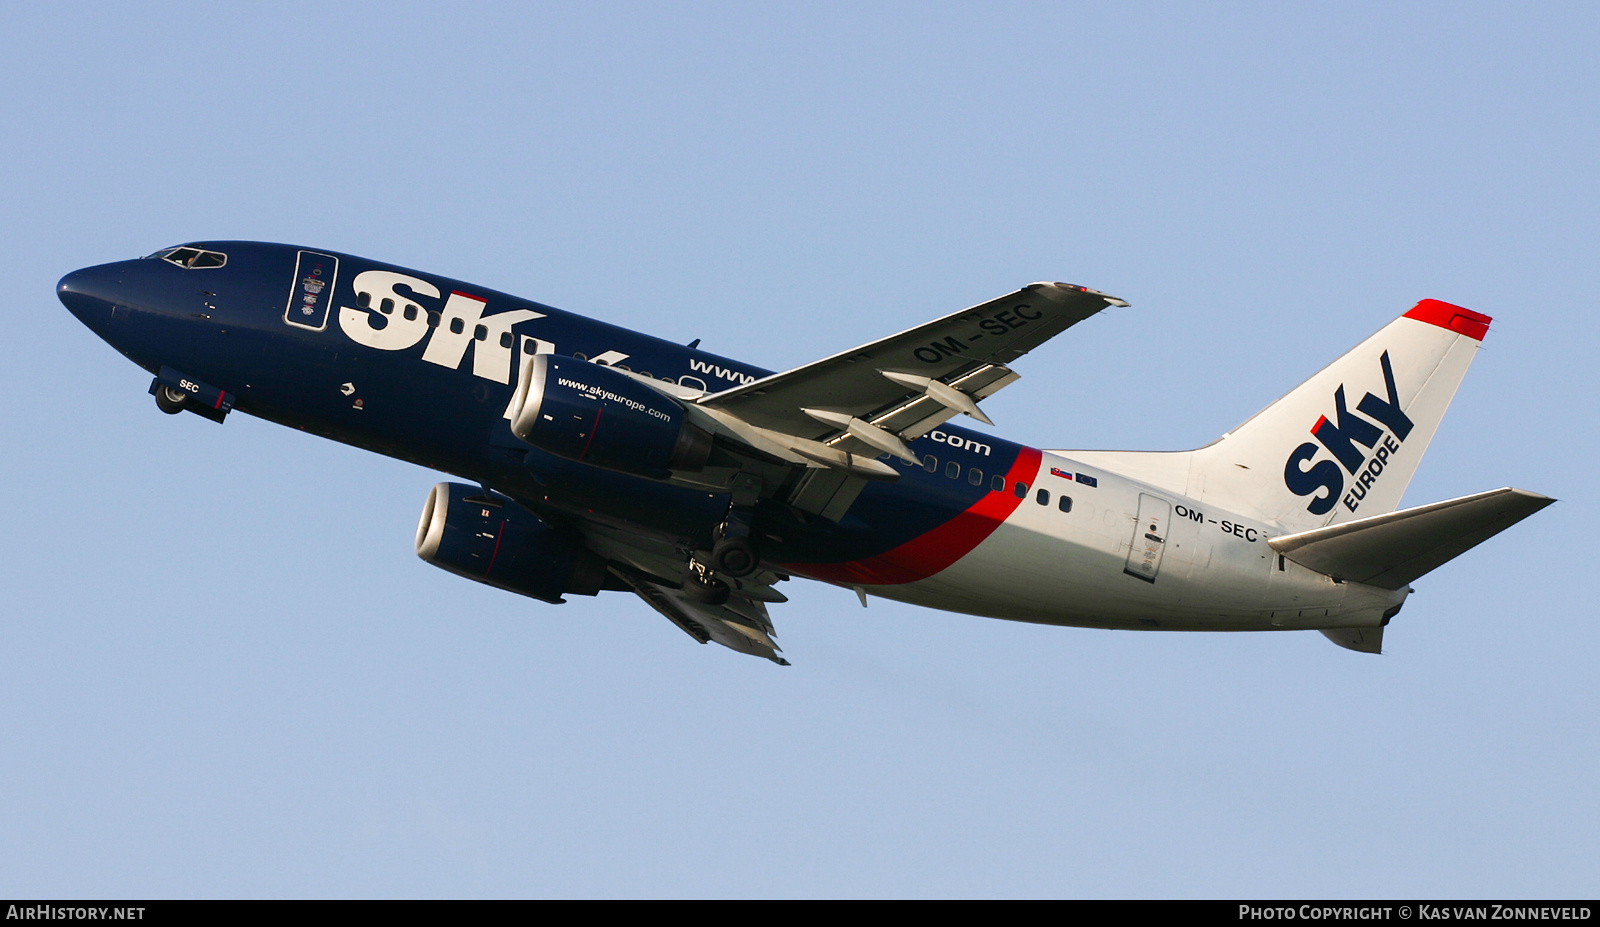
(600, 459)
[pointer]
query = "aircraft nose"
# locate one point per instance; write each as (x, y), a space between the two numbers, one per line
(89, 294)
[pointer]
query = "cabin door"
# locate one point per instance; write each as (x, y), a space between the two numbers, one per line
(311, 293)
(1149, 538)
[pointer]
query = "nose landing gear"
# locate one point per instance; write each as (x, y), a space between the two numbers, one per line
(169, 400)
(176, 393)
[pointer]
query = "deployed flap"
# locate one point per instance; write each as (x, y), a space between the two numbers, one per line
(739, 624)
(966, 350)
(1391, 550)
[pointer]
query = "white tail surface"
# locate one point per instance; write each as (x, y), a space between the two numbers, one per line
(1342, 445)
(1393, 549)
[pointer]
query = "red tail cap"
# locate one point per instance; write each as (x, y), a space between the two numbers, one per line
(1463, 321)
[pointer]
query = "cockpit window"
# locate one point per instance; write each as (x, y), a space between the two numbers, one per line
(192, 258)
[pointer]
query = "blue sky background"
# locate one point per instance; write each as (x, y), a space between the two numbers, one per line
(223, 672)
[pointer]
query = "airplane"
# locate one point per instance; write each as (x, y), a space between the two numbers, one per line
(601, 459)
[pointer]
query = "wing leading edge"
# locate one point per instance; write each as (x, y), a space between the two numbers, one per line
(967, 350)
(837, 416)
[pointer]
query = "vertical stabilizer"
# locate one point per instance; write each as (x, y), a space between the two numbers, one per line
(1345, 443)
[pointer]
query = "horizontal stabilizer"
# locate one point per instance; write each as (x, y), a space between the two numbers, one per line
(1391, 550)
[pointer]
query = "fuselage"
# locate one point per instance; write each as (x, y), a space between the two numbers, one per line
(421, 368)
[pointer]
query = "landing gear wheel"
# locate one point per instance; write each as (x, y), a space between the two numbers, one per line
(735, 557)
(171, 401)
(708, 591)
(701, 584)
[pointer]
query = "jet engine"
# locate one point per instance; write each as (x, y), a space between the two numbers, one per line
(600, 416)
(496, 542)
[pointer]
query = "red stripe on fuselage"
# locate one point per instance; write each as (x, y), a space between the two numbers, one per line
(1464, 321)
(922, 557)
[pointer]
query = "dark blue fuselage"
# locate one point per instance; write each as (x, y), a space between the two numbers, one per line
(390, 366)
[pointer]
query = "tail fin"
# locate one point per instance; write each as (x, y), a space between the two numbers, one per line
(1345, 443)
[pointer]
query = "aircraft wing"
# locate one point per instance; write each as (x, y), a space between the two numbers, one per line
(839, 414)
(967, 350)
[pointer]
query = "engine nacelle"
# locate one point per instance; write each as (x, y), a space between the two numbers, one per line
(496, 542)
(599, 416)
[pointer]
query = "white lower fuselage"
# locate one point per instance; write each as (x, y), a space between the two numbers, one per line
(1130, 555)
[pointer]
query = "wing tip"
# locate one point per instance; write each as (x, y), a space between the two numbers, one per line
(1075, 288)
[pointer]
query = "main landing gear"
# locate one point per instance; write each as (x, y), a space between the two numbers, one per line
(734, 552)
(700, 583)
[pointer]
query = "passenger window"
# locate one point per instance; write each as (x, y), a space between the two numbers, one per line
(930, 463)
(481, 333)
(433, 318)
(364, 299)
(952, 470)
(457, 326)
(505, 339)
(998, 484)
(387, 306)
(411, 313)
(1021, 489)
(975, 476)
(581, 357)
(1065, 504)
(1043, 497)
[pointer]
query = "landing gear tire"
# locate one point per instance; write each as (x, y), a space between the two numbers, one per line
(709, 591)
(171, 401)
(735, 557)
